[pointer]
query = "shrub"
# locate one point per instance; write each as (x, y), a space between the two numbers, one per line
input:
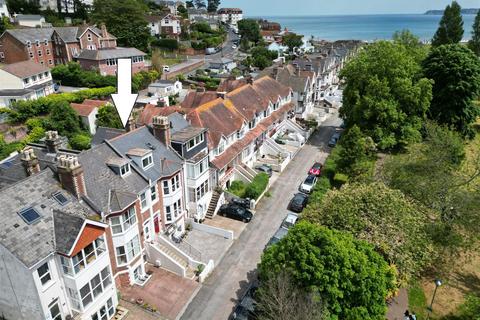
(33, 123)
(238, 188)
(329, 168)
(171, 44)
(81, 141)
(339, 180)
(320, 190)
(258, 185)
(72, 74)
(35, 135)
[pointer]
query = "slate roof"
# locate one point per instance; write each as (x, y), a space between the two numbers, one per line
(230, 85)
(31, 34)
(104, 133)
(67, 34)
(150, 111)
(24, 69)
(12, 170)
(289, 76)
(185, 134)
(113, 53)
(162, 83)
(33, 242)
(166, 162)
(119, 200)
(29, 17)
(66, 228)
(100, 179)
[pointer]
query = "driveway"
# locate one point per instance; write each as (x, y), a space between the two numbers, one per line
(219, 294)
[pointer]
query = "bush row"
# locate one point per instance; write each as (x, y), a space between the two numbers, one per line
(258, 185)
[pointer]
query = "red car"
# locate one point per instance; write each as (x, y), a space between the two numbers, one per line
(316, 169)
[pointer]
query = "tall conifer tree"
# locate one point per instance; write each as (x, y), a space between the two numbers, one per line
(474, 44)
(450, 30)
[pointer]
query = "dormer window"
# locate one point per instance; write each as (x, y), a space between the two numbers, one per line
(147, 161)
(125, 169)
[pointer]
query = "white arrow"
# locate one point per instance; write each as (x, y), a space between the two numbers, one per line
(124, 100)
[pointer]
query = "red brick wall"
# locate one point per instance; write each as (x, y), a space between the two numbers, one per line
(109, 70)
(84, 43)
(13, 50)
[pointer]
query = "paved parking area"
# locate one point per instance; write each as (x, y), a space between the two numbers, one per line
(211, 246)
(228, 224)
(166, 291)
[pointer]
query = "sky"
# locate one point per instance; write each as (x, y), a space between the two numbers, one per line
(339, 7)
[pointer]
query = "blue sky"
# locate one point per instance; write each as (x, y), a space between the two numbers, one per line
(329, 7)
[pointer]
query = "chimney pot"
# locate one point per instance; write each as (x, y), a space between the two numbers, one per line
(52, 141)
(29, 161)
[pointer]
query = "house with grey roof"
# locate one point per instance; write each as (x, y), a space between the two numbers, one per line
(54, 258)
(29, 20)
(222, 65)
(24, 80)
(164, 88)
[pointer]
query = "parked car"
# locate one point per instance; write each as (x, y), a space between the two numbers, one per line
(245, 309)
(245, 203)
(316, 169)
(264, 168)
(279, 235)
(298, 202)
(289, 221)
(334, 139)
(308, 184)
(236, 212)
(166, 69)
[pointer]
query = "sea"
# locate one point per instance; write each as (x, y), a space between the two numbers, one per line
(365, 27)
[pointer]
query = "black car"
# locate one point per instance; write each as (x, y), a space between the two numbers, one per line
(298, 202)
(334, 139)
(236, 212)
(245, 203)
(245, 309)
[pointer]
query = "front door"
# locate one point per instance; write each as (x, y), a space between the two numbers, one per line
(156, 223)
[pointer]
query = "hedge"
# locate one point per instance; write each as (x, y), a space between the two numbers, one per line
(258, 185)
(238, 188)
(171, 44)
(71, 74)
(21, 111)
(339, 180)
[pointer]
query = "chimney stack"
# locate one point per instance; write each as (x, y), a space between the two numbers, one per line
(221, 94)
(161, 103)
(131, 124)
(161, 129)
(29, 161)
(250, 80)
(52, 141)
(200, 89)
(70, 174)
(104, 30)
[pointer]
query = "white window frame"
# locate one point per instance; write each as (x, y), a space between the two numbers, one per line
(149, 159)
(143, 201)
(125, 170)
(166, 187)
(46, 276)
(124, 222)
(153, 194)
(131, 250)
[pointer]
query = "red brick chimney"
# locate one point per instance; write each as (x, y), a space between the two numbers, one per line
(161, 129)
(52, 141)
(70, 174)
(29, 161)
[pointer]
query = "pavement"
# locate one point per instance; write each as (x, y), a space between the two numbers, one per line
(227, 224)
(220, 292)
(211, 246)
(398, 306)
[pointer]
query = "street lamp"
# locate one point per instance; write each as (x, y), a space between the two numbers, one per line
(438, 283)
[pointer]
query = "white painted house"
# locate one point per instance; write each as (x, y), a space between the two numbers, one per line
(230, 16)
(164, 88)
(222, 65)
(54, 260)
(29, 20)
(167, 24)
(25, 80)
(87, 111)
(3, 9)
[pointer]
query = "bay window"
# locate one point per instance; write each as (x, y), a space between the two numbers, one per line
(86, 256)
(166, 189)
(202, 190)
(124, 221)
(129, 251)
(195, 170)
(95, 287)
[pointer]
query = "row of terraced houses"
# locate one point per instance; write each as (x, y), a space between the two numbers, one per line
(77, 227)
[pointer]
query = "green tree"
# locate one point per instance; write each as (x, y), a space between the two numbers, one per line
(387, 219)
(430, 172)
(412, 43)
(292, 40)
(450, 30)
(80, 141)
(23, 6)
(474, 44)
(355, 150)
(455, 70)
(183, 12)
(387, 101)
(350, 277)
(199, 4)
(189, 4)
(213, 5)
(262, 57)
(63, 119)
(108, 117)
(249, 30)
(125, 19)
